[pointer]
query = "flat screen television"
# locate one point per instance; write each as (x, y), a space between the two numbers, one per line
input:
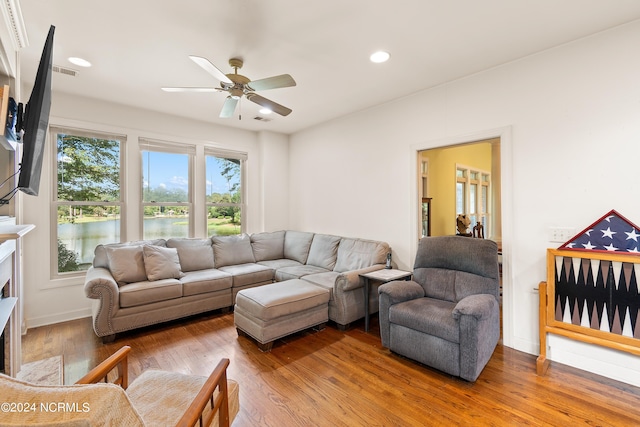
(36, 122)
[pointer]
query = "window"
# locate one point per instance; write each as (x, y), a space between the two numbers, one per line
(224, 190)
(472, 195)
(87, 198)
(166, 190)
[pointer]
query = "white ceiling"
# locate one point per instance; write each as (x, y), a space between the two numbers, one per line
(138, 46)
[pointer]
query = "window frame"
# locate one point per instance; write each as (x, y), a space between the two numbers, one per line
(158, 146)
(54, 131)
(470, 177)
(228, 154)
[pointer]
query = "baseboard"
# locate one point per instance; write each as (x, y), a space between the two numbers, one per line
(617, 365)
(526, 346)
(35, 322)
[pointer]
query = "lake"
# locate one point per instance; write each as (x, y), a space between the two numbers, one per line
(83, 238)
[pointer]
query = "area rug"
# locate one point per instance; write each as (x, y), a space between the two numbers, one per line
(43, 372)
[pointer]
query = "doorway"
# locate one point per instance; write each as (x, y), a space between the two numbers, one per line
(501, 202)
(460, 179)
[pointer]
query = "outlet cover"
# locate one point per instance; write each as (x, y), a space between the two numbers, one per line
(561, 234)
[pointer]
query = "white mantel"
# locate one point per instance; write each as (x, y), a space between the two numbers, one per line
(13, 231)
(11, 317)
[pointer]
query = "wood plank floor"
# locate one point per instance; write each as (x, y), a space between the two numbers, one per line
(335, 378)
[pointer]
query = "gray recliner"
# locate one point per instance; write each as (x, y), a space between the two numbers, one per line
(448, 316)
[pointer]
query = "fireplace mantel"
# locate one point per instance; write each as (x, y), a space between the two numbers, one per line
(11, 287)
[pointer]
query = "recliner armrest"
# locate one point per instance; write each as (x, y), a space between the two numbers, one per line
(390, 294)
(401, 290)
(480, 306)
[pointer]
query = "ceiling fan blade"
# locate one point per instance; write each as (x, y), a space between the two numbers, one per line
(267, 103)
(275, 82)
(191, 89)
(210, 68)
(229, 107)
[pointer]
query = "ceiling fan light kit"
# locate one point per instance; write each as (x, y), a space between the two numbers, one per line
(237, 85)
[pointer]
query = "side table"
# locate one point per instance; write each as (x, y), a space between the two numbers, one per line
(382, 276)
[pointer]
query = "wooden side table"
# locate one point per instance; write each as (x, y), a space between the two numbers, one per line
(382, 276)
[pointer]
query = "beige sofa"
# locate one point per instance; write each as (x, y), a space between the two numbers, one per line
(141, 283)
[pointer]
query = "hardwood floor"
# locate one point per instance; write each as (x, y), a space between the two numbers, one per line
(335, 378)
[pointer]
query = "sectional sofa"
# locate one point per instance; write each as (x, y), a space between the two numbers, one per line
(141, 283)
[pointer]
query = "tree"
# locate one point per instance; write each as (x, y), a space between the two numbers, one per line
(230, 170)
(162, 194)
(88, 168)
(67, 259)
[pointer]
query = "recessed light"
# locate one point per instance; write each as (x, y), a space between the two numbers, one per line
(79, 62)
(379, 56)
(265, 111)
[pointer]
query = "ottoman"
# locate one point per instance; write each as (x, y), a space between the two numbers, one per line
(266, 313)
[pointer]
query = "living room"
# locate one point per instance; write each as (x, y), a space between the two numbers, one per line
(566, 117)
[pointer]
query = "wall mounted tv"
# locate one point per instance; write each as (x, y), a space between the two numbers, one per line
(36, 122)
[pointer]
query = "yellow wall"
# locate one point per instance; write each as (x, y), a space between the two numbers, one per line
(442, 178)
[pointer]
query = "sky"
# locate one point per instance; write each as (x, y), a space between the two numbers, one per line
(170, 170)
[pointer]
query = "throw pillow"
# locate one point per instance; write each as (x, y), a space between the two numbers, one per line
(126, 264)
(100, 254)
(161, 263)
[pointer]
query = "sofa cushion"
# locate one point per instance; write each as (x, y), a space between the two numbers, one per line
(297, 245)
(323, 251)
(100, 254)
(203, 281)
(354, 254)
(427, 315)
(268, 245)
(140, 293)
(296, 272)
(472, 284)
(126, 264)
(438, 283)
(276, 264)
(326, 280)
(232, 250)
(195, 254)
(248, 274)
(161, 263)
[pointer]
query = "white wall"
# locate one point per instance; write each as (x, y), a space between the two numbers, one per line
(49, 301)
(274, 183)
(569, 117)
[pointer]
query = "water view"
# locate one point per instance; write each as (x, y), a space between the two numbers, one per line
(82, 237)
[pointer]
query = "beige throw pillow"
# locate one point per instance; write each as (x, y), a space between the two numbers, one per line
(161, 263)
(126, 264)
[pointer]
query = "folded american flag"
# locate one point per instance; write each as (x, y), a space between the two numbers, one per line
(611, 233)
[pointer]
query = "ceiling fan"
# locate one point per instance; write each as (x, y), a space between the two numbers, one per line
(238, 85)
